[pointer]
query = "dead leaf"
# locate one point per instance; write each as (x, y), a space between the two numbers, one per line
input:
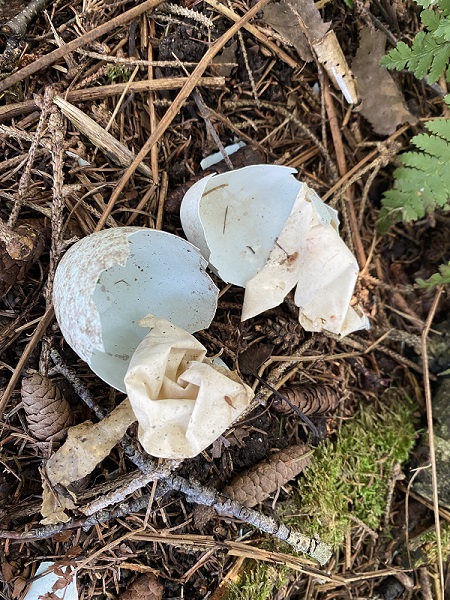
(224, 58)
(382, 102)
(54, 506)
(147, 587)
(86, 446)
(299, 21)
(280, 16)
(251, 359)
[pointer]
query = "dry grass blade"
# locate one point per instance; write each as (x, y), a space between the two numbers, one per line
(103, 140)
(429, 408)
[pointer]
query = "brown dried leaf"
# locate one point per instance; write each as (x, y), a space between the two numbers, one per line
(251, 359)
(255, 485)
(87, 445)
(279, 16)
(299, 21)
(228, 55)
(19, 249)
(147, 587)
(310, 399)
(48, 412)
(382, 102)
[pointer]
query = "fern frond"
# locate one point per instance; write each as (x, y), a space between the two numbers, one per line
(422, 184)
(441, 278)
(443, 29)
(428, 56)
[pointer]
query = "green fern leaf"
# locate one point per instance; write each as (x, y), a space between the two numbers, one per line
(422, 184)
(443, 29)
(441, 278)
(397, 58)
(427, 56)
(430, 20)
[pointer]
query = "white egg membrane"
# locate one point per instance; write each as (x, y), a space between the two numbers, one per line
(164, 276)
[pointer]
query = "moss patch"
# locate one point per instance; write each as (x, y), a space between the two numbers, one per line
(350, 475)
(258, 581)
(424, 550)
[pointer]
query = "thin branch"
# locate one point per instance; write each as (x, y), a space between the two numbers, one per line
(426, 378)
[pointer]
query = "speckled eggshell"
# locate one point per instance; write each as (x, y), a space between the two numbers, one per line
(110, 280)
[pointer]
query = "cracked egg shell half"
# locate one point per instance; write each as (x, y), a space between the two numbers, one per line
(235, 218)
(108, 281)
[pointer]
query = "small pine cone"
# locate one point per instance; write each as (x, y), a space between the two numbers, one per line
(310, 399)
(48, 412)
(19, 249)
(283, 333)
(146, 587)
(255, 485)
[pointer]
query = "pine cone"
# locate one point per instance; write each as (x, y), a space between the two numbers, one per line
(282, 332)
(310, 399)
(19, 249)
(48, 412)
(255, 485)
(146, 587)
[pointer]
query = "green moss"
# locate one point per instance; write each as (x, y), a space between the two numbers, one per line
(350, 475)
(118, 72)
(258, 581)
(426, 546)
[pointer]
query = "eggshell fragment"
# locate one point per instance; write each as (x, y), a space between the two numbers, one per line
(262, 229)
(43, 586)
(234, 218)
(109, 280)
(309, 254)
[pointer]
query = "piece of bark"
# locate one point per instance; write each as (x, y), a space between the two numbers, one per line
(147, 587)
(310, 399)
(47, 411)
(244, 157)
(256, 484)
(382, 103)
(19, 249)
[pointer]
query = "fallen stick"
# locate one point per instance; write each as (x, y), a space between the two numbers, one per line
(106, 91)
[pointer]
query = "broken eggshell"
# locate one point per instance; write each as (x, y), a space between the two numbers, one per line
(108, 281)
(262, 229)
(234, 218)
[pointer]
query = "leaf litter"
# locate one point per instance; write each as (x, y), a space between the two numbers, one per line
(340, 365)
(382, 102)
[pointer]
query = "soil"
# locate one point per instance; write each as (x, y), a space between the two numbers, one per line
(278, 107)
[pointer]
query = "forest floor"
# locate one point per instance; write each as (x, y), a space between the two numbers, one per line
(145, 79)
